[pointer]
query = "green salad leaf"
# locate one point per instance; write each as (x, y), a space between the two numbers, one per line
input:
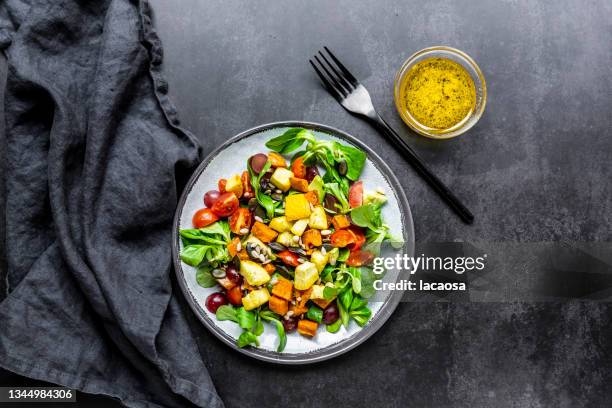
(204, 277)
(226, 312)
(208, 244)
(334, 327)
(336, 190)
(247, 338)
(280, 329)
(355, 160)
(264, 200)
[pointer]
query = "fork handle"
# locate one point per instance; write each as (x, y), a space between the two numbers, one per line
(421, 168)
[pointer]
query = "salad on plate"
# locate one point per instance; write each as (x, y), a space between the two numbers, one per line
(289, 240)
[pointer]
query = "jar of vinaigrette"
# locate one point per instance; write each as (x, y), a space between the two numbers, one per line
(440, 92)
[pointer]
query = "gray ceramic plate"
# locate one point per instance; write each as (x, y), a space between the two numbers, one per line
(231, 158)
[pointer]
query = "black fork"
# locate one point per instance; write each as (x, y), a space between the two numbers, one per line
(353, 96)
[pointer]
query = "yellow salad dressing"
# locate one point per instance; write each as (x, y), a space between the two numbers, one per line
(438, 93)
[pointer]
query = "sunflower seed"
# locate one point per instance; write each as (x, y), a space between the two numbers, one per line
(299, 298)
(267, 192)
(323, 250)
(325, 232)
(239, 246)
(244, 231)
(258, 218)
(296, 239)
(263, 258)
(301, 260)
(278, 191)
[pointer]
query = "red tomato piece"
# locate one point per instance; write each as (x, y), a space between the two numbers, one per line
(342, 238)
(360, 258)
(246, 186)
(355, 195)
(358, 237)
(222, 182)
(240, 219)
(204, 217)
(298, 168)
(225, 205)
(289, 258)
(234, 295)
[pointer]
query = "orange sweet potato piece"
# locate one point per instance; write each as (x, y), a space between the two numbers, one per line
(278, 305)
(298, 310)
(232, 246)
(312, 197)
(269, 268)
(276, 160)
(299, 184)
(283, 288)
(243, 254)
(312, 238)
(307, 327)
(263, 232)
(340, 222)
(226, 283)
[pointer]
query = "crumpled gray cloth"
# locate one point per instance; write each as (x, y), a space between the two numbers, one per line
(95, 162)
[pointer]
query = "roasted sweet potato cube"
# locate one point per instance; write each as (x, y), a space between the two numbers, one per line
(302, 296)
(299, 184)
(283, 288)
(270, 268)
(278, 305)
(276, 160)
(232, 247)
(322, 303)
(298, 310)
(263, 232)
(307, 327)
(340, 222)
(312, 197)
(226, 283)
(312, 238)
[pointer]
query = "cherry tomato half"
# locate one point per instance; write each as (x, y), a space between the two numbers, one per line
(358, 237)
(342, 238)
(225, 205)
(360, 258)
(240, 219)
(246, 186)
(203, 217)
(289, 258)
(221, 184)
(234, 295)
(355, 195)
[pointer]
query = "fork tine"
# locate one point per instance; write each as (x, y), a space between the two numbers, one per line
(346, 72)
(343, 90)
(345, 83)
(330, 88)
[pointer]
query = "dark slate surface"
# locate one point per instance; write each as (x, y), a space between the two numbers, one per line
(536, 168)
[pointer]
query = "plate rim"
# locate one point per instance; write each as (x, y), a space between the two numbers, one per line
(333, 350)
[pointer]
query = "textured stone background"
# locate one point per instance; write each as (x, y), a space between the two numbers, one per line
(536, 168)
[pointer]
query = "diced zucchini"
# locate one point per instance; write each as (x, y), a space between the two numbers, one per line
(319, 260)
(253, 273)
(296, 207)
(299, 227)
(318, 218)
(234, 185)
(280, 224)
(306, 275)
(286, 239)
(255, 299)
(281, 178)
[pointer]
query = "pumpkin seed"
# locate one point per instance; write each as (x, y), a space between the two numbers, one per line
(218, 273)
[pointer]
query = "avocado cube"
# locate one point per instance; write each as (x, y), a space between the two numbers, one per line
(281, 178)
(255, 299)
(296, 207)
(253, 273)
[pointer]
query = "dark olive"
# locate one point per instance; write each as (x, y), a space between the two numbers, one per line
(311, 173)
(330, 203)
(276, 247)
(257, 162)
(260, 212)
(331, 314)
(252, 205)
(290, 325)
(342, 167)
